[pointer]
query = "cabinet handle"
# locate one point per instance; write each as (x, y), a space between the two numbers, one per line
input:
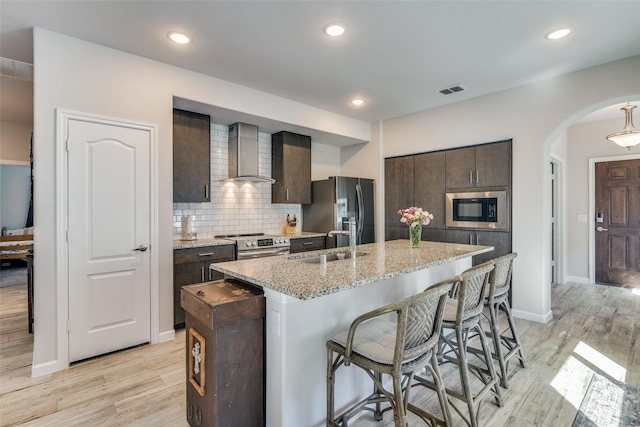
(477, 177)
(307, 243)
(470, 177)
(287, 194)
(471, 239)
(207, 254)
(477, 240)
(209, 274)
(202, 273)
(206, 191)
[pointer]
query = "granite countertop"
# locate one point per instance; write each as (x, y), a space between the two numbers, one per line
(290, 275)
(305, 234)
(198, 243)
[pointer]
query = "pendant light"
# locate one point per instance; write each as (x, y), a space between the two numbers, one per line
(629, 136)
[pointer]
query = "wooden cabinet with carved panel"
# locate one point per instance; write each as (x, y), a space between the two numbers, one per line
(225, 375)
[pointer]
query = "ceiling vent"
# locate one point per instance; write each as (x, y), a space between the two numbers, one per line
(16, 69)
(452, 89)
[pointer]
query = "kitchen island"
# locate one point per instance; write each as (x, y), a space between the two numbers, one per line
(308, 302)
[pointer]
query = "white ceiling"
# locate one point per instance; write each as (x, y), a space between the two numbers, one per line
(396, 55)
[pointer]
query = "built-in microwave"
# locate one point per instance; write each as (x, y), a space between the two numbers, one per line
(478, 209)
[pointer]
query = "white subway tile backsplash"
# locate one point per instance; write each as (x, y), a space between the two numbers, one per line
(236, 208)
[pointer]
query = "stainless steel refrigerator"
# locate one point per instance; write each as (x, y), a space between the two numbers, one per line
(333, 202)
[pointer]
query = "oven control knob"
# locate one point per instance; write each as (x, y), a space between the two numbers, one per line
(248, 243)
(278, 240)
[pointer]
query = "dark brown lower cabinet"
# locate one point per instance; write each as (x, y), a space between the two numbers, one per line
(433, 234)
(305, 244)
(191, 266)
(225, 354)
(500, 240)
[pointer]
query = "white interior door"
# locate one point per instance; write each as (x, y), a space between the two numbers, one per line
(109, 232)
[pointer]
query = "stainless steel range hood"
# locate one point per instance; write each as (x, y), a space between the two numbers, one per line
(243, 154)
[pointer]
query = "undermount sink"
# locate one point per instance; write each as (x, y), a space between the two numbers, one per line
(330, 257)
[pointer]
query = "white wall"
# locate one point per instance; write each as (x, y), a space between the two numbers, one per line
(15, 141)
(325, 161)
(80, 76)
(534, 116)
(585, 141)
(560, 146)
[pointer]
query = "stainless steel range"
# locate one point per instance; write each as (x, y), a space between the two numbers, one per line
(258, 245)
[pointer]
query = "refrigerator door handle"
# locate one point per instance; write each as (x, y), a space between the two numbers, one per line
(360, 212)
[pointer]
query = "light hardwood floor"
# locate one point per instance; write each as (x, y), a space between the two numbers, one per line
(595, 329)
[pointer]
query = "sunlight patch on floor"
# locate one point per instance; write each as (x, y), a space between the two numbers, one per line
(602, 362)
(636, 291)
(574, 376)
(572, 380)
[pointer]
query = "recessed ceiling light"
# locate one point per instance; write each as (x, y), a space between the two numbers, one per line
(558, 34)
(357, 101)
(334, 30)
(179, 38)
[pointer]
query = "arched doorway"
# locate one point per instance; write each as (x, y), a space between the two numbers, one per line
(581, 141)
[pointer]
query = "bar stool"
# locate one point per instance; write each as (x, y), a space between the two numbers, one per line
(399, 348)
(497, 297)
(462, 315)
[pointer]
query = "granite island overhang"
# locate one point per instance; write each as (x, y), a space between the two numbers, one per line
(309, 302)
(292, 276)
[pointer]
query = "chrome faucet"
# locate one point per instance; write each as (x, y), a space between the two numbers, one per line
(352, 236)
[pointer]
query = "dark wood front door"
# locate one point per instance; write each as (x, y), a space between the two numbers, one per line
(618, 223)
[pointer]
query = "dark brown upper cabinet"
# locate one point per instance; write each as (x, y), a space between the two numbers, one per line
(191, 157)
(291, 168)
(487, 165)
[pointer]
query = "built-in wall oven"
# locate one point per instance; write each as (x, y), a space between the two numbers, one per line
(478, 209)
(259, 245)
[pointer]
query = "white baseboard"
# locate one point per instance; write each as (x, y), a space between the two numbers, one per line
(166, 335)
(526, 315)
(40, 369)
(576, 279)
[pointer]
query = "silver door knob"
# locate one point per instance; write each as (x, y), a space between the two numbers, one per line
(602, 229)
(141, 248)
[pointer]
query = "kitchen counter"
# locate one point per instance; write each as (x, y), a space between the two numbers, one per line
(304, 234)
(308, 303)
(293, 276)
(207, 241)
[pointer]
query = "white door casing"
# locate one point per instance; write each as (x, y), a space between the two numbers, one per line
(109, 217)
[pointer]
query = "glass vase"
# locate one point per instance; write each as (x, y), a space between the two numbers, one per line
(414, 235)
